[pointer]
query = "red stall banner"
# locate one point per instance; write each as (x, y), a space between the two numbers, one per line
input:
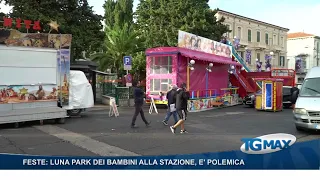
(8, 22)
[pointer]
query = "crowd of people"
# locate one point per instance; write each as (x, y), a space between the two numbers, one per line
(177, 106)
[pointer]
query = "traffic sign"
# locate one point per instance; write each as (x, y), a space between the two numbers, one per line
(128, 80)
(127, 62)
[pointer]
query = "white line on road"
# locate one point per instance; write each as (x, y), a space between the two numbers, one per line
(224, 114)
(85, 142)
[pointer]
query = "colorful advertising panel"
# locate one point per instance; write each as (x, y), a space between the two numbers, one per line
(194, 42)
(19, 94)
(64, 75)
(16, 38)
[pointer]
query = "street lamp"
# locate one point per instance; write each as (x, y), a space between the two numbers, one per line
(209, 67)
(232, 69)
(191, 64)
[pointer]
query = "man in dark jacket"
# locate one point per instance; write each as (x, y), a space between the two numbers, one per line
(182, 97)
(171, 102)
(138, 104)
(294, 96)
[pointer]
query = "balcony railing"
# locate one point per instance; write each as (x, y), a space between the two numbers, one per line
(278, 47)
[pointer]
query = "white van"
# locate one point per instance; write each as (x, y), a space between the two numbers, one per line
(307, 107)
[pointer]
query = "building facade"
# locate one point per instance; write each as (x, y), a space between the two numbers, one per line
(305, 48)
(258, 39)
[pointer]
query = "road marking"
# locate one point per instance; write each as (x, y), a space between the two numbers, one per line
(85, 142)
(234, 113)
(223, 114)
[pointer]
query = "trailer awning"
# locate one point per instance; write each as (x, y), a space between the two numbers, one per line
(193, 54)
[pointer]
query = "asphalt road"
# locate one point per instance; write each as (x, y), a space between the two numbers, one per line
(97, 134)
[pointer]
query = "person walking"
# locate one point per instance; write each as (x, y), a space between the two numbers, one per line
(182, 97)
(294, 96)
(171, 106)
(138, 104)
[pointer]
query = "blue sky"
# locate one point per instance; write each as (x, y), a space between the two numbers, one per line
(297, 15)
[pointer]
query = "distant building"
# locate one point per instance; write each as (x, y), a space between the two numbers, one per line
(259, 38)
(303, 47)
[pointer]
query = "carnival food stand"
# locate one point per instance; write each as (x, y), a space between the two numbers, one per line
(204, 66)
(35, 71)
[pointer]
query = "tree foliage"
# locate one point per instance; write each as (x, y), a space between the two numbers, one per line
(160, 20)
(119, 12)
(75, 17)
(121, 37)
(120, 41)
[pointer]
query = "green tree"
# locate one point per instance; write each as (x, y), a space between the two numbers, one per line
(124, 13)
(109, 17)
(75, 17)
(120, 41)
(119, 12)
(121, 38)
(160, 20)
(139, 66)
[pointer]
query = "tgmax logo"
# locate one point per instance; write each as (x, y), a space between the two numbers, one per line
(267, 143)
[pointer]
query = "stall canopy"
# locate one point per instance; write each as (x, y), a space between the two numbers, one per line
(193, 54)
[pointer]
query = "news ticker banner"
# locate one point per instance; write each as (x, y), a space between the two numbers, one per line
(305, 155)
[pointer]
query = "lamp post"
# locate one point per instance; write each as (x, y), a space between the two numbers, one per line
(190, 67)
(269, 61)
(208, 70)
(191, 64)
(209, 67)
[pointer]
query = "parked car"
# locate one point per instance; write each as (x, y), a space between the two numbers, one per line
(286, 98)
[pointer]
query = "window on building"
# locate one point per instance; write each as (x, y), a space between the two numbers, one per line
(228, 34)
(267, 38)
(239, 32)
(242, 54)
(159, 85)
(161, 65)
(274, 39)
(258, 56)
(282, 42)
(281, 61)
(258, 36)
(249, 35)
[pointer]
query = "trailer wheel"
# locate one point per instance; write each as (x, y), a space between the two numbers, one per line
(16, 125)
(60, 121)
(74, 112)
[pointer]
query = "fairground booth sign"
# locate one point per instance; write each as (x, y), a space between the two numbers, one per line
(17, 23)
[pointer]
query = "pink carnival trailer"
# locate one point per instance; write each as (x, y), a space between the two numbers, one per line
(206, 75)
